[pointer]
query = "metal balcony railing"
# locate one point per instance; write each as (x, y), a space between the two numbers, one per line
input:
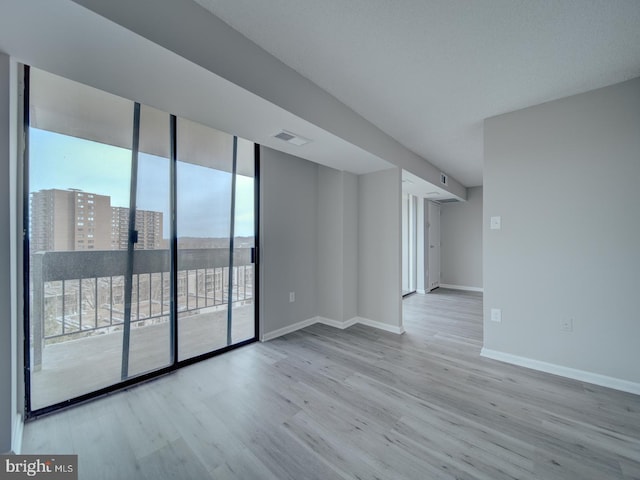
(77, 294)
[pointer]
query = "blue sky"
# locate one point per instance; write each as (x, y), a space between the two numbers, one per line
(60, 161)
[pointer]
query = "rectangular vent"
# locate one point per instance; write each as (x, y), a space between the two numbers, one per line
(284, 136)
(291, 138)
(443, 179)
(449, 200)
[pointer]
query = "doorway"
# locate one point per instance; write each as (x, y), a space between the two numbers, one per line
(409, 244)
(433, 211)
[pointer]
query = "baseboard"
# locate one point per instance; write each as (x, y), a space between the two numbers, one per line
(581, 375)
(16, 439)
(337, 323)
(462, 287)
(288, 329)
(399, 330)
(421, 292)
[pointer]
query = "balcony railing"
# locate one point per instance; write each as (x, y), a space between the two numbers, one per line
(78, 294)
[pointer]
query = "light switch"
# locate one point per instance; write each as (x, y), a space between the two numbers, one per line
(496, 223)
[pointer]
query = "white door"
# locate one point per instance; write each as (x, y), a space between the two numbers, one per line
(434, 246)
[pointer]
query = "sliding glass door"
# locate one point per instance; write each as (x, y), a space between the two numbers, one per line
(140, 246)
(216, 225)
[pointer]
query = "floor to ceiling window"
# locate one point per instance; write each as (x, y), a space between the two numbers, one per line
(140, 247)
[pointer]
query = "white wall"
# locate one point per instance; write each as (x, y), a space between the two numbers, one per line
(461, 241)
(289, 236)
(6, 343)
(380, 253)
(564, 176)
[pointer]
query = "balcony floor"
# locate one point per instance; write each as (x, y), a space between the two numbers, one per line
(73, 368)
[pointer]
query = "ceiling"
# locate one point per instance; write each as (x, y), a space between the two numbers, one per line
(427, 72)
(66, 39)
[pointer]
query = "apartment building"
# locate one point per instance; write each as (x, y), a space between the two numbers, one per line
(73, 220)
(70, 220)
(148, 225)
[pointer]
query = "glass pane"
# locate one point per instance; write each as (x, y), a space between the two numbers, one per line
(243, 319)
(150, 344)
(204, 181)
(79, 169)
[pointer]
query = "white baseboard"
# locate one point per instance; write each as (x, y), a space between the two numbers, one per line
(288, 329)
(581, 375)
(462, 287)
(337, 323)
(421, 292)
(16, 439)
(399, 330)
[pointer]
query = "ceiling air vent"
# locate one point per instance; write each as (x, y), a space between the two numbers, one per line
(291, 138)
(449, 200)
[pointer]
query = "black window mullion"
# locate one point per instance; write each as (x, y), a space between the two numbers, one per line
(234, 171)
(25, 244)
(173, 247)
(128, 279)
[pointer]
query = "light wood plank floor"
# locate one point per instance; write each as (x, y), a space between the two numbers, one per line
(324, 404)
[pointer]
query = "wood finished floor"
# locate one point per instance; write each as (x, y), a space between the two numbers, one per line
(359, 403)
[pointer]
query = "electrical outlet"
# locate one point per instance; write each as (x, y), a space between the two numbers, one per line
(292, 297)
(496, 315)
(566, 325)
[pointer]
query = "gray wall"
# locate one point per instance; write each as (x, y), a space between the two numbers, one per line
(6, 408)
(564, 178)
(461, 241)
(333, 238)
(379, 241)
(289, 195)
(350, 242)
(330, 249)
(337, 273)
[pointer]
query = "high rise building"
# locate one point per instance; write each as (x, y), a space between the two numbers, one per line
(71, 220)
(148, 225)
(67, 220)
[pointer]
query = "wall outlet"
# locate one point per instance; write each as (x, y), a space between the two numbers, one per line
(566, 325)
(292, 297)
(496, 315)
(496, 223)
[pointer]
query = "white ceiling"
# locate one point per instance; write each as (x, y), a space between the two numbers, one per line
(427, 72)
